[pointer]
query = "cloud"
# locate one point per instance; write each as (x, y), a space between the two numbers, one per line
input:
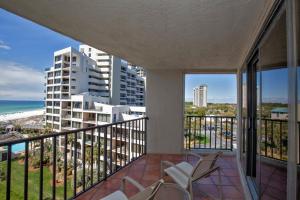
(20, 82)
(4, 46)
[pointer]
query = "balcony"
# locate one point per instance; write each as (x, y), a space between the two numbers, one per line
(123, 154)
(259, 37)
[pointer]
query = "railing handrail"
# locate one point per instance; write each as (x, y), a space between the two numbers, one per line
(221, 116)
(210, 116)
(63, 133)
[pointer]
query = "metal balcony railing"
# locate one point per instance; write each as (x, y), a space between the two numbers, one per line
(210, 132)
(273, 136)
(68, 161)
(219, 132)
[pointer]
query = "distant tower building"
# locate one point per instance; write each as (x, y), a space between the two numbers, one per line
(200, 96)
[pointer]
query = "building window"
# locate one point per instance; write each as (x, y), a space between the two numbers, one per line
(57, 58)
(77, 115)
(103, 117)
(77, 105)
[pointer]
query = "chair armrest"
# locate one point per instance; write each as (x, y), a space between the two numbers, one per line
(207, 173)
(170, 164)
(133, 182)
(189, 153)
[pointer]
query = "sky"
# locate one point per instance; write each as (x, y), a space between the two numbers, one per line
(221, 88)
(26, 49)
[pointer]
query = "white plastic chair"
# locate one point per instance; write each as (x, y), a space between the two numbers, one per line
(157, 191)
(184, 174)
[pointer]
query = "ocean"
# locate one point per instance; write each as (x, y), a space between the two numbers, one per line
(8, 106)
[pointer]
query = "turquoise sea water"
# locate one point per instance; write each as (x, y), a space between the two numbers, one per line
(7, 106)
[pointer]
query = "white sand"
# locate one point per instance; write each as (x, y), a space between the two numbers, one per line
(19, 115)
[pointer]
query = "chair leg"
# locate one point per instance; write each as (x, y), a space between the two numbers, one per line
(162, 173)
(191, 190)
(220, 184)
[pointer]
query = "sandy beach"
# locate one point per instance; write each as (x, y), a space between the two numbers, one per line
(20, 115)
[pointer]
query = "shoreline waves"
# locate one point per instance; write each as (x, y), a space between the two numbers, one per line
(20, 115)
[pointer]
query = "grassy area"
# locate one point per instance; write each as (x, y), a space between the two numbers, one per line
(17, 183)
(197, 140)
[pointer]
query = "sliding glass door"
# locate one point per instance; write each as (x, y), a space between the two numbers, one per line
(265, 114)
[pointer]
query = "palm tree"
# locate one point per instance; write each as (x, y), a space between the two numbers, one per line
(47, 130)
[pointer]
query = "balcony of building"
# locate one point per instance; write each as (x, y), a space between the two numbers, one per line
(171, 39)
(122, 155)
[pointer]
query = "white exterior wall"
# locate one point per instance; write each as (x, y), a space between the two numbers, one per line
(124, 91)
(165, 106)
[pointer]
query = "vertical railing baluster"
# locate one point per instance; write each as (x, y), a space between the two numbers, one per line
(110, 150)
(280, 135)
(142, 136)
(98, 154)
(210, 132)
(115, 129)
(121, 148)
(135, 137)
(41, 170)
(216, 126)
(199, 146)
(195, 131)
(221, 134)
(83, 160)
(205, 127)
(92, 157)
(26, 171)
(272, 138)
(8, 172)
(125, 139)
(226, 121)
(139, 137)
(145, 133)
(190, 127)
(75, 164)
(266, 138)
(243, 134)
(129, 142)
(65, 165)
(105, 153)
(54, 169)
(231, 136)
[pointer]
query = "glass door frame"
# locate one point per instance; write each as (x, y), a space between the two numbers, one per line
(252, 154)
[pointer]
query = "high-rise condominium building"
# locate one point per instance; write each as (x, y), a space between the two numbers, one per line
(200, 96)
(125, 82)
(80, 91)
(77, 92)
(79, 79)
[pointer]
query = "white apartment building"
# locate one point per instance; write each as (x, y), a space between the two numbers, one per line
(200, 96)
(126, 82)
(78, 95)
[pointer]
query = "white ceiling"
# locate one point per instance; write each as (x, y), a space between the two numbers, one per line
(166, 34)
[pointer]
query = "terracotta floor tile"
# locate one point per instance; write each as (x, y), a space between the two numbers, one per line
(146, 171)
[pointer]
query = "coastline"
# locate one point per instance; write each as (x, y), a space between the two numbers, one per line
(20, 115)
